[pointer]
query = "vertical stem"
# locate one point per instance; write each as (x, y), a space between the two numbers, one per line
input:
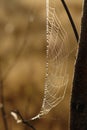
(78, 114)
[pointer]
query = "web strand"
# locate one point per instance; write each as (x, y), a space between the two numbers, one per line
(57, 61)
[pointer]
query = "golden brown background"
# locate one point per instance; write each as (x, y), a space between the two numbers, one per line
(23, 23)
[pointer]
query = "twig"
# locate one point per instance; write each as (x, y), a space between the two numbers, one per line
(18, 117)
(71, 20)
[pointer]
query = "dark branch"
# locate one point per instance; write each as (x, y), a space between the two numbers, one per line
(71, 20)
(18, 117)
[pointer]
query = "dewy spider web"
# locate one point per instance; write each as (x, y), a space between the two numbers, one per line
(57, 61)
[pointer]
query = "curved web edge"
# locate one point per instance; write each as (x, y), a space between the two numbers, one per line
(57, 64)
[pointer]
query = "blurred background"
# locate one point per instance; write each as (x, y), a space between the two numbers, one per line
(23, 61)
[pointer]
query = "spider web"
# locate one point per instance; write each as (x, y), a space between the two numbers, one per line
(57, 61)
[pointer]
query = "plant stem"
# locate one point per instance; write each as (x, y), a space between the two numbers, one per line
(20, 119)
(71, 20)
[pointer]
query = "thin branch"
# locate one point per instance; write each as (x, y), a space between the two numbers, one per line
(71, 20)
(18, 117)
